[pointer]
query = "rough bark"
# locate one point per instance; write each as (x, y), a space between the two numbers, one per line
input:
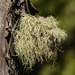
(25, 6)
(3, 43)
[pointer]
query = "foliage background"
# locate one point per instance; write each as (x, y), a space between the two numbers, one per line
(64, 11)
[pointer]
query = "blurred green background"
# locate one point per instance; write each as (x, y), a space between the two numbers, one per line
(64, 11)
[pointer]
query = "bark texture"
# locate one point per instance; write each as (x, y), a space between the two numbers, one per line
(10, 11)
(3, 43)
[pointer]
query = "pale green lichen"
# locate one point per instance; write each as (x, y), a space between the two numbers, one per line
(35, 37)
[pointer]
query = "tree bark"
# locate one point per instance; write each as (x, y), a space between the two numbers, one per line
(4, 23)
(3, 43)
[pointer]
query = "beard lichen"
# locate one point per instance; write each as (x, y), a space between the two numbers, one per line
(36, 39)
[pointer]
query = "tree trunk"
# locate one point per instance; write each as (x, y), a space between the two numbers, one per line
(3, 43)
(4, 23)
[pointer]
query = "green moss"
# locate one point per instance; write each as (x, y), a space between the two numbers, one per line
(35, 39)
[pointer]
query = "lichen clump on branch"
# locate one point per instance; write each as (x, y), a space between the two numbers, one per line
(36, 39)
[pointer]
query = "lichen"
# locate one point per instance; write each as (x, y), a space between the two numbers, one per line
(34, 41)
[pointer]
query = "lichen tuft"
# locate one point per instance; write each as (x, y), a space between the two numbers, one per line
(36, 39)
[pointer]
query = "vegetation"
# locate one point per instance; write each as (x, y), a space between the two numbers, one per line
(37, 39)
(64, 11)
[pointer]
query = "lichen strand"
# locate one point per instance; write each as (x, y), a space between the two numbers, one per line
(35, 39)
